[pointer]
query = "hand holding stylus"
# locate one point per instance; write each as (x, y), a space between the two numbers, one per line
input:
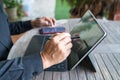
(56, 49)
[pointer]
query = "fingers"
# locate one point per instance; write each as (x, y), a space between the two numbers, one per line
(66, 42)
(68, 46)
(64, 39)
(61, 36)
(56, 49)
(54, 21)
(44, 21)
(50, 21)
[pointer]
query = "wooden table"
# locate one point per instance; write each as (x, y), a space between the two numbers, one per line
(106, 55)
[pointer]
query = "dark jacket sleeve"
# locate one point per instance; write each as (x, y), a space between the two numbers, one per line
(21, 68)
(19, 27)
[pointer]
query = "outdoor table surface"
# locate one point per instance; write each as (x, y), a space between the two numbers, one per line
(106, 55)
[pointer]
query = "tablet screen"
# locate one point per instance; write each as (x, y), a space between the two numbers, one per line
(90, 34)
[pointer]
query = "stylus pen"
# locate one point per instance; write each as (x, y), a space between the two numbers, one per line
(73, 37)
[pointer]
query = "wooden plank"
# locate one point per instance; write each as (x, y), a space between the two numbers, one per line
(16, 37)
(115, 27)
(98, 74)
(102, 67)
(114, 30)
(105, 41)
(108, 31)
(110, 67)
(109, 27)
(117, 30)
(107, 48)
(40, 76)
(56, 76)
(48, 75)
(117, 57)
(81, 73)
(73, 75)
(89, 74)
(104, 26)
(65, 75)
(114, 63)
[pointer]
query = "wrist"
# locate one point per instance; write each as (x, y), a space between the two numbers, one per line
(33, 23)
(46, 62)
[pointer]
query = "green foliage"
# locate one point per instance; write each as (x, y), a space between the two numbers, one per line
(74, 3)
(79, 7)
(19, 10)
(12, 3)
(62, 10)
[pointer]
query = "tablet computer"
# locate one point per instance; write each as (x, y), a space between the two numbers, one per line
(89, 34)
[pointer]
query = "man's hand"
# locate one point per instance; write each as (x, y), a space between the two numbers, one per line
(56, 49)
(44, 21)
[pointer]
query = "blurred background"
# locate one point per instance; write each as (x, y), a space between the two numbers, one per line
(61, 9)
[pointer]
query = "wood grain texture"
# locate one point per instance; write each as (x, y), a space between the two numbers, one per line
(107, 63)
(106, 55)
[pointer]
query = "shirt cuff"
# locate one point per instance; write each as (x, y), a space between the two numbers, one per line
(33, 64)
(28, 24)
